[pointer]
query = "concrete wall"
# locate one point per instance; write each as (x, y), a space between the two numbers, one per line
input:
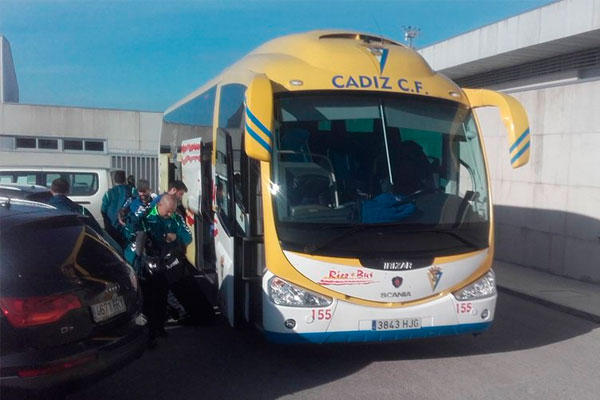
(130, 132)
(548, 212)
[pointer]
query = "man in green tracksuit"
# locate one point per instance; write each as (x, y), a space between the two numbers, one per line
(166, 231)
(112, 202)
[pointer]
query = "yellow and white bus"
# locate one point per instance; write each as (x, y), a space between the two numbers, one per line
(339, 191)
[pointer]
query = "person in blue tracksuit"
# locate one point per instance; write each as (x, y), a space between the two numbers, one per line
(135, 208)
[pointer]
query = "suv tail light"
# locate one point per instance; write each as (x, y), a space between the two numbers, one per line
(31, 311)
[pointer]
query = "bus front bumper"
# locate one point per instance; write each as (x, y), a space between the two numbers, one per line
(348, 322)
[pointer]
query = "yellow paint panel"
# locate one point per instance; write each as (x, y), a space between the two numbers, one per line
(514, 118)
(259, 118)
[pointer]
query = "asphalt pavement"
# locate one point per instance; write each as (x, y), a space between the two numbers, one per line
(568, 295)
(534, 351)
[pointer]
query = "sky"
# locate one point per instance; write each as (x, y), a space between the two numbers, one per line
(147, 54)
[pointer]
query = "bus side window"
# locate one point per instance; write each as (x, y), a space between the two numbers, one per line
(230, 134)
(222, 174)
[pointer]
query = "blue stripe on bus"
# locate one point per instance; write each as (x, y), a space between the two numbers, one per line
(376, 336)
(383, 60)
(256, 137)
(520, 153)
(519, 140)
(258, 123)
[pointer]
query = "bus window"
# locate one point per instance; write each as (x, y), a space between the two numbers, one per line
(190, 120)
(222, 171)
(229, 160)
(386, 159)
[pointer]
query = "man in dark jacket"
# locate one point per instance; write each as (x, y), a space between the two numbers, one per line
(60, 189)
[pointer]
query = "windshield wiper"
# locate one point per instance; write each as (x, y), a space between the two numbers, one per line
(312, 249)
(457, 236)
(353, 229)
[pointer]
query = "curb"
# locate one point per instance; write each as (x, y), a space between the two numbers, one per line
(559, 307)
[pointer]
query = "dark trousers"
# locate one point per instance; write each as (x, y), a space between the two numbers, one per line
(114, 233)
(155, 291)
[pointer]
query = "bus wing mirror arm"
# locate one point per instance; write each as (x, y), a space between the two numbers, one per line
(258, 134)
(514, 118)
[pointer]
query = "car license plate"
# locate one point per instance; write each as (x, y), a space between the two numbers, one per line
(107, 309)
(395, 324)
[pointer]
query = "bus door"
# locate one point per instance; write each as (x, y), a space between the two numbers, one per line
(238, 230)
(191, 175)
(224, 224)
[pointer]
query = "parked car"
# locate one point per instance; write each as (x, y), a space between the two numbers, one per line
(88, 185)
(70, 305)
(25, 192)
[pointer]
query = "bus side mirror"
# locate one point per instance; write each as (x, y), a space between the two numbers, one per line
(514, 118)
(259, 119)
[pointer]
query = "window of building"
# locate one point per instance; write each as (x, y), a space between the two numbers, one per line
(94, 145)
(25, 143)
(57, 144)
(69, 144)
(48, 144)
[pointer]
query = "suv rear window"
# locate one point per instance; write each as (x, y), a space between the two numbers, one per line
(35, 256)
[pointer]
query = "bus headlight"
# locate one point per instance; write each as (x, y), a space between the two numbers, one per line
(480, 289)
(284, 293)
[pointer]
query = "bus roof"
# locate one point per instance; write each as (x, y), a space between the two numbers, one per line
(338, 60)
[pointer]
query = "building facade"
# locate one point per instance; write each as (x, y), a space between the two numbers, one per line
(39, 135)
(548, 212)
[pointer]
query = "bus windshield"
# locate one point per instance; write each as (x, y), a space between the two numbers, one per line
(350, 168)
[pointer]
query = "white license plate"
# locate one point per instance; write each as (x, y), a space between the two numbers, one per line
(107, 309)
(395, 324)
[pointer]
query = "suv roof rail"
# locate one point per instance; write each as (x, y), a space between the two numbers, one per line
(7, 202)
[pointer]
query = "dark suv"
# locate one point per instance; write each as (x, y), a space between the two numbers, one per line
(25, 192)
(71, 307)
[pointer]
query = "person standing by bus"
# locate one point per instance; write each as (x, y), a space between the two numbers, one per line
(135, 208)
(177, 189)
(165, 232)
(132, 185)
(60, 189)
(112, 202)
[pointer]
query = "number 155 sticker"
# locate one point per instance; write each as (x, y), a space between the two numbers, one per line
(319, 315)
(464, 308)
